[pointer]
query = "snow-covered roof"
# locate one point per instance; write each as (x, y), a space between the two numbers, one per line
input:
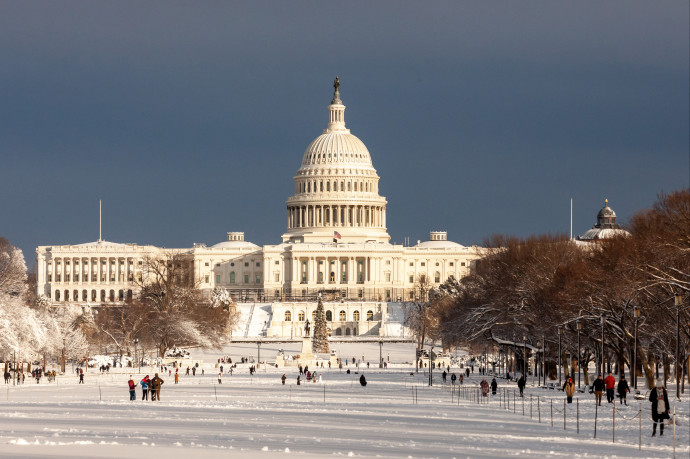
(440, 245)
(602, 233)
(235, 245)
(101, 243)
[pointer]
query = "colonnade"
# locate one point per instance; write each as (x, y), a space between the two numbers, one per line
(336, 215)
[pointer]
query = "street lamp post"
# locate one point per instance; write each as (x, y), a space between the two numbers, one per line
(602, 346)
(258, 353)
(578, 325)
(543, 357)
(678, 301)
(64, 345)
(633, 370)
(524, 356)
(559, 357)
(381, 354)
(136, 354)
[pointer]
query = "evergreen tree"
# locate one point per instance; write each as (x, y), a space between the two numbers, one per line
(320, 342)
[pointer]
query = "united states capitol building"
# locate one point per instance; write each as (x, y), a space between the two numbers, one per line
(336, 245)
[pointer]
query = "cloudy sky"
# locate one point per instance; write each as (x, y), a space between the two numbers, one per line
(189, 119)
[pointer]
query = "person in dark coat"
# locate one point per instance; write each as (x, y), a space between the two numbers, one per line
(623, 389)
(494, 386)
(598, 386)
(444, 375)
(81, 376)
(283, 378)
(453, 378)
(156, 384)
(660, 407)
(363, 381)
(145, 382)
(521, 385)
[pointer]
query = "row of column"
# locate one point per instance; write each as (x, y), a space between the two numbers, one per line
(356, 270)
(336, 215)
(85, 268)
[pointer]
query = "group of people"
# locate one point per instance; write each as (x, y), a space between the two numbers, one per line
(147, 385)
(609, 384)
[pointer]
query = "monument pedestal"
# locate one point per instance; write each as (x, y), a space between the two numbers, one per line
(307, 352)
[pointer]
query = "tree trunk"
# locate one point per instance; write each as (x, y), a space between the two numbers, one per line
(647, 366)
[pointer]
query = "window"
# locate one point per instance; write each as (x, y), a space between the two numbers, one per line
(277, 262)
(411, 263)
(50, 278)
(232, 264)
(246, 278)
(58, 277)
(436, 263)
(437, 277)
(344, 272)
(411, 279)
(232, 277)
(258, 265)
(370, 315)
(276, 277)
(451, 263)
(423, 264)
(217, 278)
(329, 316)
(388, 262)
(300, 316)
(246, 264)
(338, 332)
(217, 265)
(206, 264)
(387, 276)
(355, 316)
(206, 279)
(313, 315)
(462, 264)
(258, 278)
(342, 316)
(288, 316)
(422, 278)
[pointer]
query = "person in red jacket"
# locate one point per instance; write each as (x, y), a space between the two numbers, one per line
(610, 383)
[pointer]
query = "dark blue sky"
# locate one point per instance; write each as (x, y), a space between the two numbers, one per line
(190, 119)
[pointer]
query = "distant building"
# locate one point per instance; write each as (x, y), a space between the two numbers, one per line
(336, 245)
(605, 228)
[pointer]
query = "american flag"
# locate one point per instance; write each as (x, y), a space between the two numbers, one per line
(336, 235)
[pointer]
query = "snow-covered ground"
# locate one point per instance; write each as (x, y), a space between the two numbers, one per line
(256, 416)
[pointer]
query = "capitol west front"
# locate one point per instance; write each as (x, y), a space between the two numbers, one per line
(336, 244)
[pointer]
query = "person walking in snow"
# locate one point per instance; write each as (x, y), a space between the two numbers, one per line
(443, 375)
(623, 389)
(177, 377)
(7, 377)
(521, 385)
(485, 387)
(453, 378)
(660, 407)
(363, 381)
(494, 386)
(156, 384)
(569, 389)
(145, 387)
(610, 383)
(132, 388)
(283, 378)
(220, 378)
(81, 376)
(598, 387)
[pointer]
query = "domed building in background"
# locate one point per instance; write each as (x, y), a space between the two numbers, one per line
(605, 228)
(336, 246)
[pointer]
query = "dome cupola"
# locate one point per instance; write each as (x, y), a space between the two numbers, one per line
(336, 188)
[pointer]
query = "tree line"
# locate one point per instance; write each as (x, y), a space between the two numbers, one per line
(533, 289)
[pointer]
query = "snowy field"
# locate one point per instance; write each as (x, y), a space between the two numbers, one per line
(395, 415)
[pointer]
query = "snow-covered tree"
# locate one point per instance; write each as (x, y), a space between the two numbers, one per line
(320, 342)
(21, 330)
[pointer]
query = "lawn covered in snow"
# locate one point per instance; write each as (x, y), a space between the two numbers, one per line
(395, 415)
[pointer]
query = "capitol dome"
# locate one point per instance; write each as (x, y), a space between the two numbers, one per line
(336, 188)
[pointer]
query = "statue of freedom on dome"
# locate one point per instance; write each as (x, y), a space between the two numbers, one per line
(336, 84)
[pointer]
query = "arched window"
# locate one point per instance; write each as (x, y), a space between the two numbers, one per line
(121, 295)
(437, 277)
(335, 186)
(84, 295)
(349, 186)
(288, 316)
(347, 331)
(342, 316)
(66, 295)
(94, 295)
(355, 316)
(370, 315)
(338, 332)
(355, 186)
(308, 187)
(321, 186)
(112, 295)
(232, 277)
(129, 295)
(328, 186)
(329, 316)
(57, 295)
(300, 316)
(313, 315)
(103, 296)
(75, 295)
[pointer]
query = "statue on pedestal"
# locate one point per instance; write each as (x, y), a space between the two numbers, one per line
(307, 329)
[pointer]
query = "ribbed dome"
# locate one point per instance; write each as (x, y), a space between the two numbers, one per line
(336, 148)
